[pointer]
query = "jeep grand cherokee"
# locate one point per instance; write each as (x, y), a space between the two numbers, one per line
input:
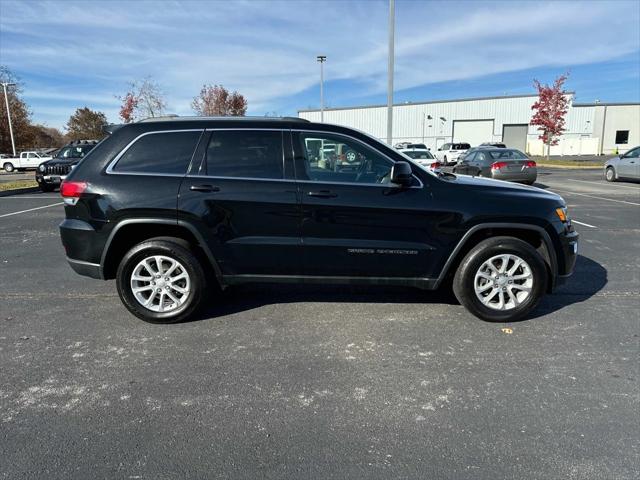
(175, 208)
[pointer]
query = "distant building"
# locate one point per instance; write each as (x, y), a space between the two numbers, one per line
(591, 128)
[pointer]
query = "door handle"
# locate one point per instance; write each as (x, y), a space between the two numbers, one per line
(204, 188)
(323, 194)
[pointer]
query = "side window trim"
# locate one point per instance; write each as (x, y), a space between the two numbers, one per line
(110, 168)
(385, 156)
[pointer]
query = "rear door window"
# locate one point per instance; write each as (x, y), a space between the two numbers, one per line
(245, 154)
(166, 153)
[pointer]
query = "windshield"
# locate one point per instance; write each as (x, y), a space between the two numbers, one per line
(74, 151)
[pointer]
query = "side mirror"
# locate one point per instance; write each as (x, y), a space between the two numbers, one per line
(401, 174)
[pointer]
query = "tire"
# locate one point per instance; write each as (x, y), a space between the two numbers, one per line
(8, 167)
(445, 160)
(46, 187)
(171, 250)
(469, 274)
(610, 174)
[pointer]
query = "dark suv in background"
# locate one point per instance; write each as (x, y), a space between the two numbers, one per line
(51, 173)
(175, 208)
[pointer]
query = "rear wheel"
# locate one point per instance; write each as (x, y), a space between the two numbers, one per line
(8, 167)
(445, 160)
(161, 281)
(610, 174)
(501, 279)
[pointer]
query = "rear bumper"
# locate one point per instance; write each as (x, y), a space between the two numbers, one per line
(529, 175)
(82, 247)
(86, 269)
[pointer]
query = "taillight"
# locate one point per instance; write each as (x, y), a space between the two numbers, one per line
(71, 191)
(498, 165)
(435, 165)
(530, 164)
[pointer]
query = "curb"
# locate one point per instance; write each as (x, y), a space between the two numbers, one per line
(18, 191)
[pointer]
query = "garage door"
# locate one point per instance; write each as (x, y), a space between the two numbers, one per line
(473, 132)
(515, 136)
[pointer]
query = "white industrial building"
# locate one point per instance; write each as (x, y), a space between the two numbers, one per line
(591, 128)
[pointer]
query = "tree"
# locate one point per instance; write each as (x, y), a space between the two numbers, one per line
(20, 115)
(47, 137)
(143, 100)
(86, 124)
(550, 110)
(216, 101)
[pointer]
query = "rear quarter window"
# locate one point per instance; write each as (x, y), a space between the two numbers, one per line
(163, 152)
(246, 154)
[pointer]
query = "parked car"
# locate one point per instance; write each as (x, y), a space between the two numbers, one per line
(173, 209)
(501, 164)
(51, 173)
(423, 157)
(26, 160)
(623, 167)
(449, 153)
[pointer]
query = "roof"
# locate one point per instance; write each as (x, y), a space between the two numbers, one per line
(607, 104)
(429, 102)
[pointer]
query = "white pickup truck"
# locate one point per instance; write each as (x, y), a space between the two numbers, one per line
(24, 161)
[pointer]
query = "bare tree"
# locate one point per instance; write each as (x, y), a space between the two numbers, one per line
(144, 99)
(216, 101)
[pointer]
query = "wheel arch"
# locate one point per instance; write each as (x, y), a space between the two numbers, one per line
(130, 232)
(534, 235)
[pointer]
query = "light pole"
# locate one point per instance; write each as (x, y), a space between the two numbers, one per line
(321, 59)
(6, 102)
(392, 11)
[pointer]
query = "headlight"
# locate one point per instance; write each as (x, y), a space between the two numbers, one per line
(42, 168)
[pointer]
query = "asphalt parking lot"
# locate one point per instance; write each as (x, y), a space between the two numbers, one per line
(323, 382)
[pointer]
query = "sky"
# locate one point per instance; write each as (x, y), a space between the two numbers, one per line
(74, 54)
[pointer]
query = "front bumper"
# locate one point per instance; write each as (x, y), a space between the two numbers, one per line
(49, 179)
(567, 255)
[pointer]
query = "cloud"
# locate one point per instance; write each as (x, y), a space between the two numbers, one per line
(86, 52)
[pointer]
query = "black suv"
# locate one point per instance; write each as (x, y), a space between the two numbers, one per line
(51, 173)
(175, 208)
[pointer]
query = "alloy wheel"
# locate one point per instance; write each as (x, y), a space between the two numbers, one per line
(503, 282)
(160, 283)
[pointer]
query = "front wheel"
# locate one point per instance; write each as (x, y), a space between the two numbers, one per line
(610, 174)
(161, 281)
(8, 167)
(501, 279)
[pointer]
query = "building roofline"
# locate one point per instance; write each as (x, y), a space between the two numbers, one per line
(499, 97)
(606, 104)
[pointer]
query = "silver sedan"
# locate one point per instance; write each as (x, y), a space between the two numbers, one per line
(625, 166)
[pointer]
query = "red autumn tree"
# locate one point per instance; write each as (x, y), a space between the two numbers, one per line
(129, 104)
(550, 110)
(216, 101)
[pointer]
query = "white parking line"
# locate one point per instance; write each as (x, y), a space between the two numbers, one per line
(20, 197)
(581, 223)
(593, 196)
(30, 210)
(604, 183)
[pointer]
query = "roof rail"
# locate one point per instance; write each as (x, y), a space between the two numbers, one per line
(234, 118)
